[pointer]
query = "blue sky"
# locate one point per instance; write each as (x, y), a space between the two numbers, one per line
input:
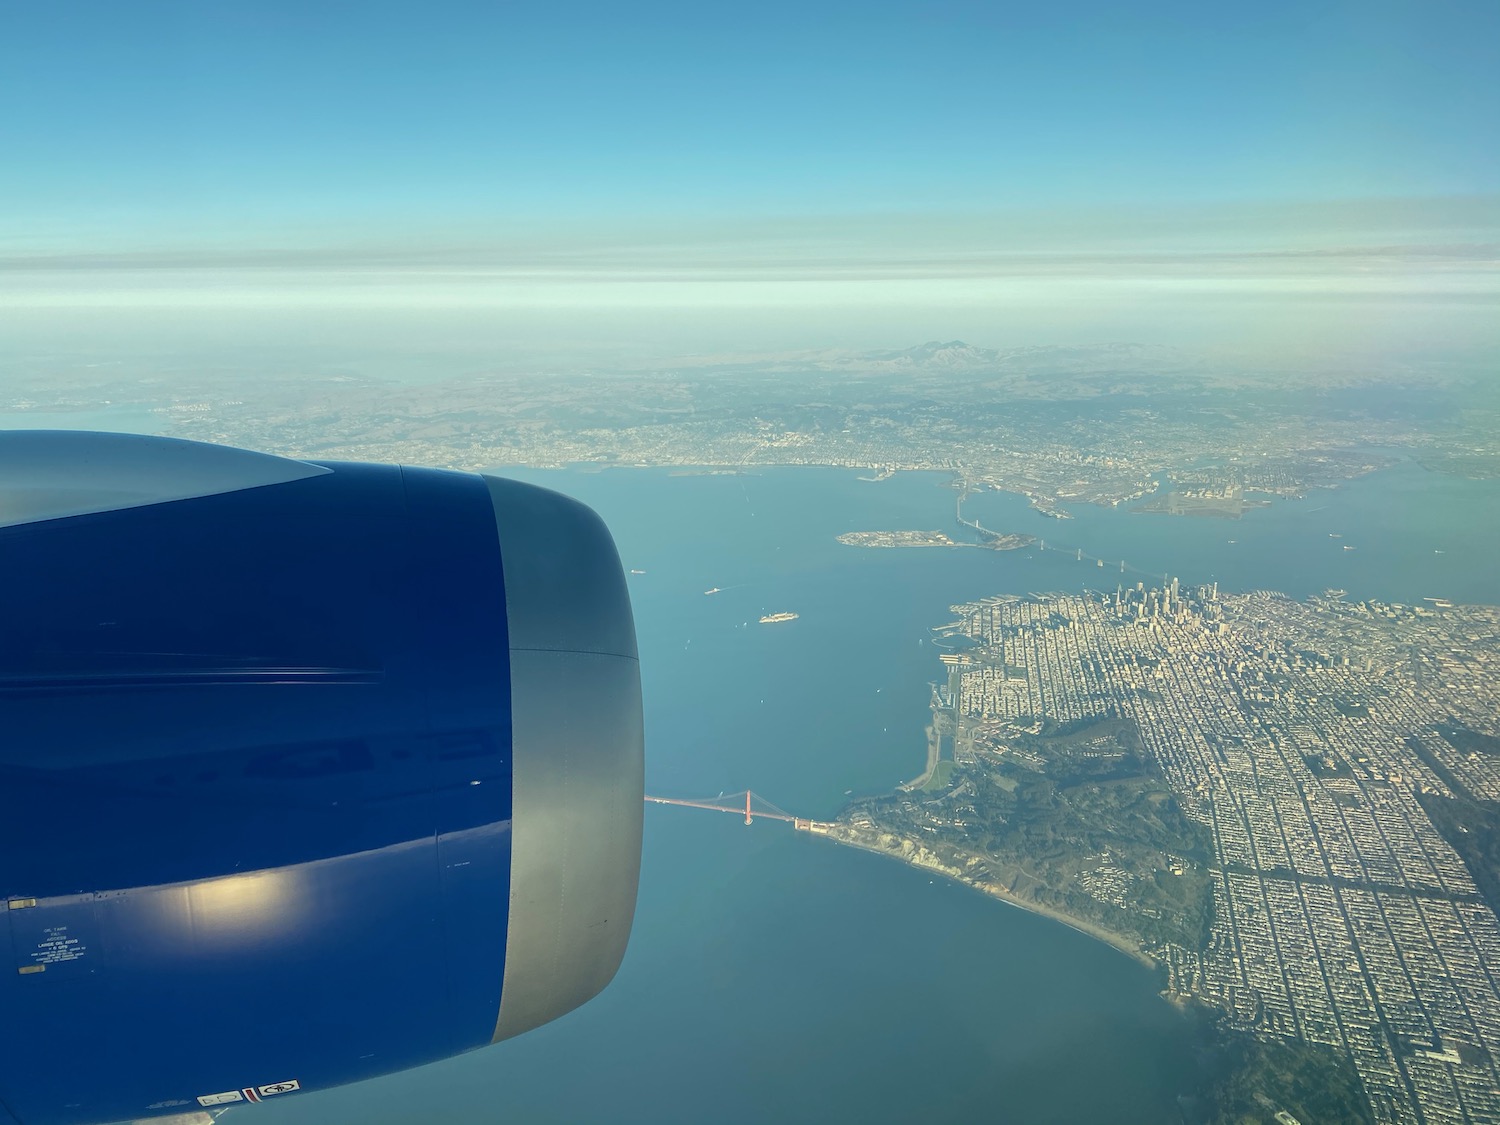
(153, 118)
(769, 145)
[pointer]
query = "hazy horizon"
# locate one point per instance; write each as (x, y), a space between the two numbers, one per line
(585, 187)
(1367, 280)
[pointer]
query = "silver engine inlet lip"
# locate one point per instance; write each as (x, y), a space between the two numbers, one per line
(578, 747)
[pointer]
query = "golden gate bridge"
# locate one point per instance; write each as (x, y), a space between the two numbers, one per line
(751, 804)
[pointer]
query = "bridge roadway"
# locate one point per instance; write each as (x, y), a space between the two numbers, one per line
(745, 802)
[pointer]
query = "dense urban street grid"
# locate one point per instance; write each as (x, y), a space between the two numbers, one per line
(1300, 735)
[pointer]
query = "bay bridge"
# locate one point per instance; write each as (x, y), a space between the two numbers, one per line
(752, 805)
(1078, 553)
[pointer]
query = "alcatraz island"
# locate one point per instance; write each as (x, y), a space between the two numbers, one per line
(1291, 808)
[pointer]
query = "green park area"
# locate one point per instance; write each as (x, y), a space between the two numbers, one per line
(1076, 820)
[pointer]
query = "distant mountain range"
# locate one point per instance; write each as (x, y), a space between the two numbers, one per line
(957, 356)
(936, 359)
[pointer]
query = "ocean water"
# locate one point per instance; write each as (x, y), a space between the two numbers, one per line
(776, 977)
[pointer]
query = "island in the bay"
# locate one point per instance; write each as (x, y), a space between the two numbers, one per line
(1291, 808)
(990, 539)
(1224, 498)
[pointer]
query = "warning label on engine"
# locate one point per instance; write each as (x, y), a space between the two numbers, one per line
(56, 946)
(57, 935)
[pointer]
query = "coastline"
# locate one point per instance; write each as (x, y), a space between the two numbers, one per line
(933, 754)
(922, 859)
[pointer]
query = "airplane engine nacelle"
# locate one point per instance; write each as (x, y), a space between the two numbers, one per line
(311, 772)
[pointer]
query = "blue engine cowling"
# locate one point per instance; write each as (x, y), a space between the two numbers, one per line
(312, 772)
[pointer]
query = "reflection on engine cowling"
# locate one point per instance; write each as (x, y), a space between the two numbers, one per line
(299, 760)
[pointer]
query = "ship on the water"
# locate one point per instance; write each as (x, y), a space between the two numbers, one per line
(714, 590)
(773, 618)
